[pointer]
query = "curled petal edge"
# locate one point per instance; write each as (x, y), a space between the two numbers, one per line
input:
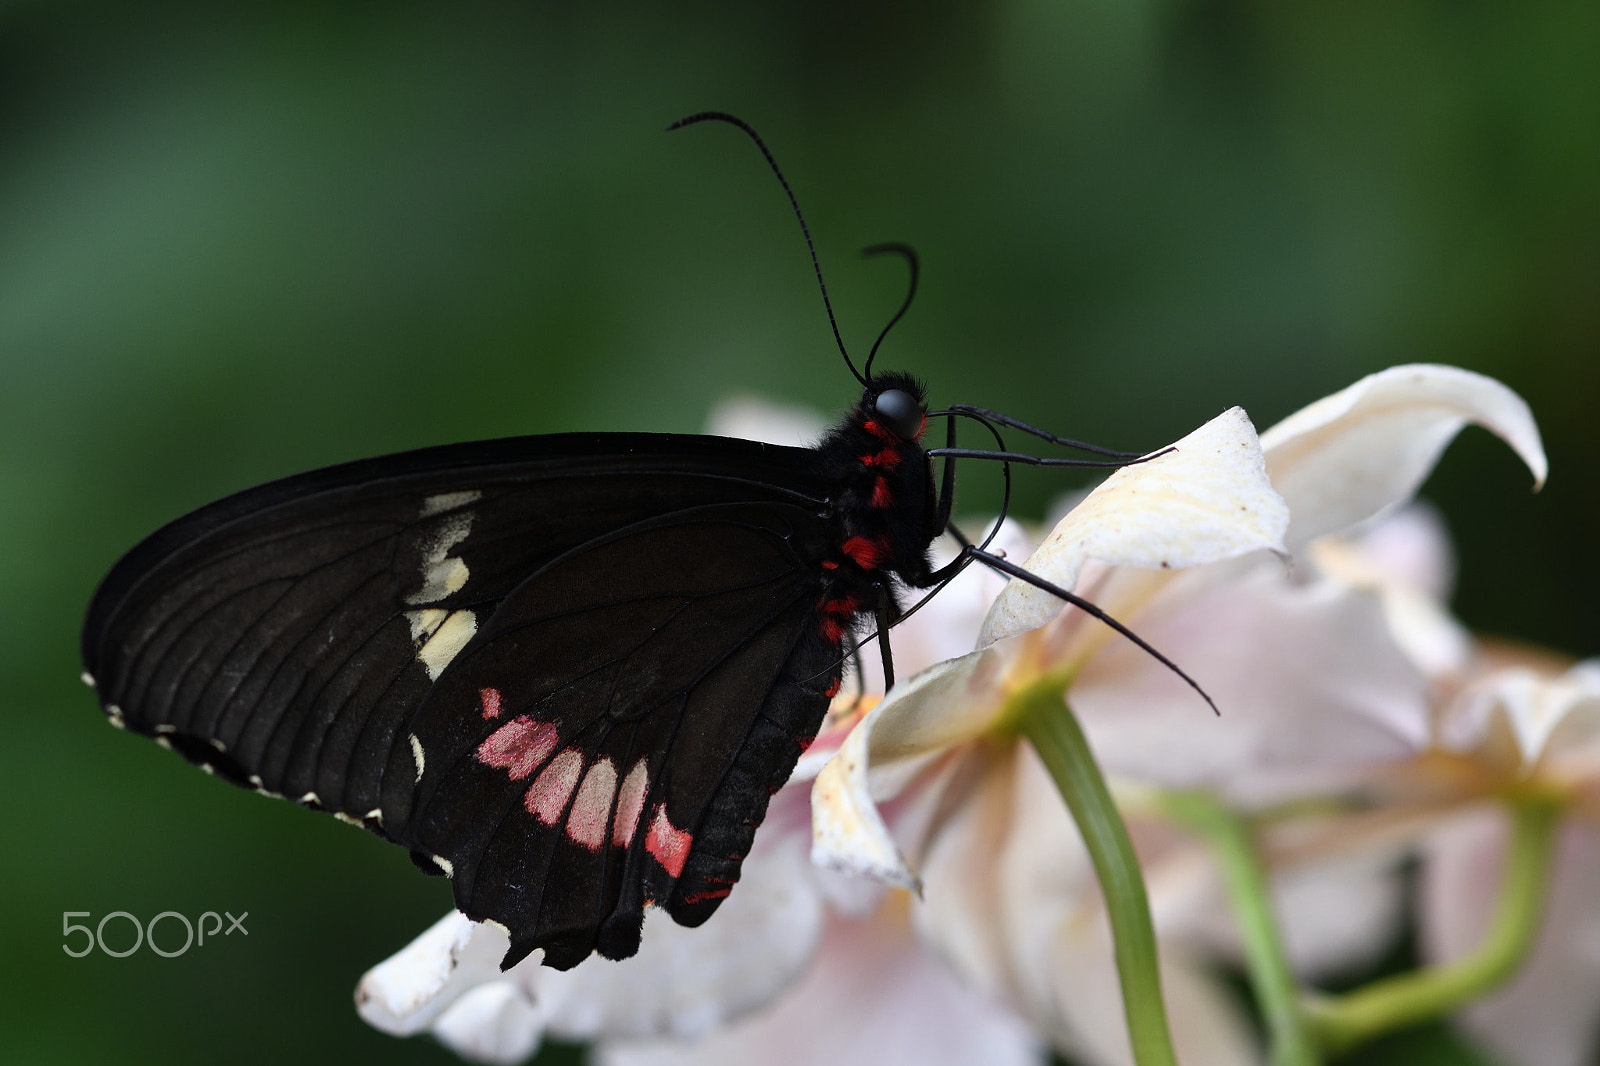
(936, 710)
(1206, 500)
(1368, 447)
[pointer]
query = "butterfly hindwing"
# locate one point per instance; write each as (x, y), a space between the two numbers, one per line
(360, 639)
(564, 801)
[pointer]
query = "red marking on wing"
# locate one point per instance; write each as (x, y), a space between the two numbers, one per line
(866, 552)
(546, 798)
(833, 689)
(669, 844)
(829, 564)
(591, 809)
(491, 702)
(882, 496)
(630, 801)
(519, 747)
(710, 893)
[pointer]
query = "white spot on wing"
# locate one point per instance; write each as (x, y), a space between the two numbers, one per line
(343, 817)
(449, 501)
(445, 864)
(163, 742)
(443, 573)
(416, 755)
(630, 801)
(425, 621)
(87, 678)
(591, 808)
(375, 815)
(447, 642)
(115, 714)
(165, 728)
(311, 799)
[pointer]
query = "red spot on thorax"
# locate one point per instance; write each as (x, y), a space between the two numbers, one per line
(882, 433)
(866, 552)
(888, 459)
(667, 843)
(836, 615)
(882, 496)
(831, 691)
(491, 702)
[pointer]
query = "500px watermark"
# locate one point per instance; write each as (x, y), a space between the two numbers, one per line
(146, 934)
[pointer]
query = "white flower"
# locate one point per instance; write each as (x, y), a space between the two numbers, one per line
(1314, 687)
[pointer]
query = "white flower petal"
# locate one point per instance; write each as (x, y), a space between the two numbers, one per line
(873, 996)
(775, 423)
(939, 708)
(1522, 710)
(405, 993)
(1057, 944)
(493, 1022)
(1209, 500)
(1405, 556)
(686, 982)
(1349, 456)
(1311, 687)
(1548, 1013)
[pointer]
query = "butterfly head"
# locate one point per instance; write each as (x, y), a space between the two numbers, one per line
(896, 402)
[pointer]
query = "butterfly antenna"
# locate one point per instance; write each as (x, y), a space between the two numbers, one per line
(905, 252)
(722, 116)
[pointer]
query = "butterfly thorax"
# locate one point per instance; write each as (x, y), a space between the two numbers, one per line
(883, 510)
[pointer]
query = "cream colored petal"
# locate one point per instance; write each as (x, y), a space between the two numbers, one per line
(775, 423)
(1312, 689)
(1406, 558)
(947, 705)
(960, 911)
(1058, 951)
(1208, 500)
(1348, 456)
(1515, 715)
(406, 992)
(687, 982)
(874, 996)
(1548, 1013)
(493, 1022)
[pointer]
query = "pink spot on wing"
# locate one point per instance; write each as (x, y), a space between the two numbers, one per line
(630, 801)
(519, 746)
(546, 798)
(669, 844)
(591, 810)
(491, 702)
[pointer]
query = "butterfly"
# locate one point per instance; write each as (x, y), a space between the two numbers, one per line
(565, 671)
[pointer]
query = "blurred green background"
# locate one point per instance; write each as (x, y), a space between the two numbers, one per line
(240, 241)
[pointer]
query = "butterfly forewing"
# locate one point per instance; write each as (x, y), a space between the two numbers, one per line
(568, 670)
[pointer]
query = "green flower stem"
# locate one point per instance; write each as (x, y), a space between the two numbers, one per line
(1342, 1022)
(1277, 993)
(1044, 718)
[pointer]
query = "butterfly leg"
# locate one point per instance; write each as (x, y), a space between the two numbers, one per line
(886, 617)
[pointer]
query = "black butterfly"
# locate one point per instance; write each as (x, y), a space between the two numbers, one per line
(566, 671)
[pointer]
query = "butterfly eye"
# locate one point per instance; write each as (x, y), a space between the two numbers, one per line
(900, 411)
